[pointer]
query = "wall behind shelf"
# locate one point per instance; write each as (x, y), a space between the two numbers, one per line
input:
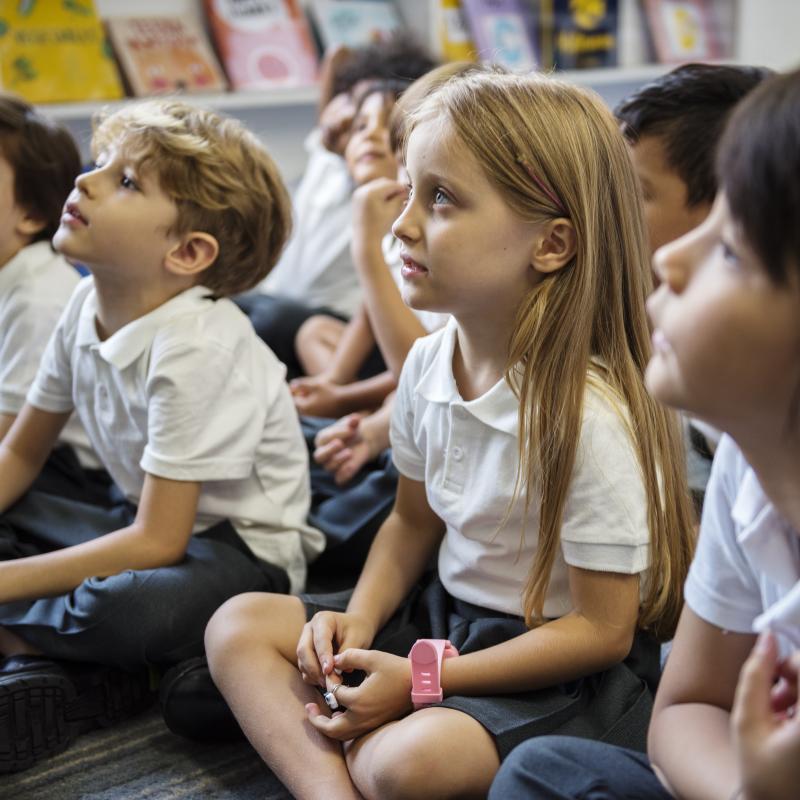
(283, 124)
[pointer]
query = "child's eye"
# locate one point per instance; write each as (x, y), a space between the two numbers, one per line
(440, 197)
(729, 254)
(128, 183)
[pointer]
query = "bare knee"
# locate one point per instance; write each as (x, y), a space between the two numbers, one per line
(315, 340)
(253, 621)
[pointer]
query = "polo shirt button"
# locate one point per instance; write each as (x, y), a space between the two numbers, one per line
(457, 453)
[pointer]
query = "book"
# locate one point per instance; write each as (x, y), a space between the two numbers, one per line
(683, 30)
(263, 44)
(165, 55)
(53, 52)
(579, 35)
(353, 23)
(453, 36)
(504, 32)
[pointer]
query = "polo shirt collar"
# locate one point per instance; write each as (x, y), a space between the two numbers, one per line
(30, 258)
(498, 408)
(130, 341)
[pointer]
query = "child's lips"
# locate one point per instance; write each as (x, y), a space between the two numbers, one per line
(411, 268)
(73, 216)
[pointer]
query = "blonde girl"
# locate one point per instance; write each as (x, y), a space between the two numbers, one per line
(531, 459)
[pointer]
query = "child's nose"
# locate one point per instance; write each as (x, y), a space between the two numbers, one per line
(672, 264)
(404, 227)
(83, 182)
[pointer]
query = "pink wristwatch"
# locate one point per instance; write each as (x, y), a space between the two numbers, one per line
(426, 670)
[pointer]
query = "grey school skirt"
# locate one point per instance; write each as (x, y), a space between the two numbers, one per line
(612, 706)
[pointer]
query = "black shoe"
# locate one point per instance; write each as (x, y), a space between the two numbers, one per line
(193, 706)
(45, 704)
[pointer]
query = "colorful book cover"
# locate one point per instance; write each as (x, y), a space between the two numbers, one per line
(55, 51)
(455, 41)
(579, 34)
(263, 44)
(165, 55)
(683, 30)
(504, 32)
(353, 23)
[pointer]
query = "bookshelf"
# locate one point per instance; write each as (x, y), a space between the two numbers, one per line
(283, 117)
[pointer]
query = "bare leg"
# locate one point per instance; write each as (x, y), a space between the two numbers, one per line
(13, 645)
(251, 643)
(316, 342)
(436, 753)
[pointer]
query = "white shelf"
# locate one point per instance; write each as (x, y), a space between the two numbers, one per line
(225, 101)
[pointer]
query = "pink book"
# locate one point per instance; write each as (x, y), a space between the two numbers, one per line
(263, 45)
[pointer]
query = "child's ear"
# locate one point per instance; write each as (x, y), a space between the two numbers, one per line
(195, 252)
(555, 245)
(29, 225)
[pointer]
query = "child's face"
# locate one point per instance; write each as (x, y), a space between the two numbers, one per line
(667, 214)
(464, 251)
(368, 153)
(726, 340)
(16, 227)
(115, 220)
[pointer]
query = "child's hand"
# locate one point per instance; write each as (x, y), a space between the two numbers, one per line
(376, 205)
(316, 396)
(315, 657)
(385, 695)
(344, 447)
(766, 727)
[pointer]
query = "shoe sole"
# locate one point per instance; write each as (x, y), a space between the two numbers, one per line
(33, 719)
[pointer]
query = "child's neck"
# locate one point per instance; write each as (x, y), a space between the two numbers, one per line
(119, 303)
(776, 461)
(480, 356)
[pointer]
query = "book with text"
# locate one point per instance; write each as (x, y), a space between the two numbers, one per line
(504, 32)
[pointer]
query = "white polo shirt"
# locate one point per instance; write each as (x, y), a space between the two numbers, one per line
(35, 285)
(467, 455)
(745, 576)
(316, 267)
(189, 392)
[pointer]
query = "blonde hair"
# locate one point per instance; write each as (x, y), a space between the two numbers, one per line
(220, 177)
(554, 150)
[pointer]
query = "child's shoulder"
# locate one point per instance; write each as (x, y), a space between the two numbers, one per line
(38, 276)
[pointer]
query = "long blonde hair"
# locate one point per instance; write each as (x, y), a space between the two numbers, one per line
(588, 317)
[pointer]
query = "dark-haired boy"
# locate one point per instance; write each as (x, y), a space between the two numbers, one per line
(673, 125)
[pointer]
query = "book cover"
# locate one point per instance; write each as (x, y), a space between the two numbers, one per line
(263, 44)
(353, 23)
(165, 55)
(455, 42)
(504, 32)
(683, 30)
(55, 51)
(579, 34)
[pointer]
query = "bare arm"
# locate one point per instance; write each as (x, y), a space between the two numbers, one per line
(597, 634)
(398, 556)
(6, 421)
(692, 711)
(25, 448)
(158, 537)
(395, 327)
(355, 345)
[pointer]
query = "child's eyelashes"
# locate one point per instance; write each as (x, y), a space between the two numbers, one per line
(440, 197)
(730, 256)
(127, 182)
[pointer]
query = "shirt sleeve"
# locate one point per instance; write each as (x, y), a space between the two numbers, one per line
(52, 388)
(605, 525)
(721, 587)
(205, 418)
(408, 456)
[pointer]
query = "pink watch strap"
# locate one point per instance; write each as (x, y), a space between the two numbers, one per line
(426, 669)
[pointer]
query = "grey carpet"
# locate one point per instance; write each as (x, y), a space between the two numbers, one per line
(141, 760)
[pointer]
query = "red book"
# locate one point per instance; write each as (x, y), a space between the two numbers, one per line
(264, 44)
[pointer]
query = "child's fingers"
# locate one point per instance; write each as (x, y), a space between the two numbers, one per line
(323, 454)
(752, 709)
(336, 727)
(353, 658)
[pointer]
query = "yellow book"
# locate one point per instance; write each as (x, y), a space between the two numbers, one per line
(455, 41)
(55, 51)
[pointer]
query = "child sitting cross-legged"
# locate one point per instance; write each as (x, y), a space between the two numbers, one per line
(186, 408)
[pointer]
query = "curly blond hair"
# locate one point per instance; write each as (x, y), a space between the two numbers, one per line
(220, 177)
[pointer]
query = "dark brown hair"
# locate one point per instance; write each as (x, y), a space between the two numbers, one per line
(44, 158)
(758, 165)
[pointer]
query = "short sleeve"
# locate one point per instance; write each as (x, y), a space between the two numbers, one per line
(721, 587)
(52, 388)
(407, 455)
(205, 417)
(605, 524)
